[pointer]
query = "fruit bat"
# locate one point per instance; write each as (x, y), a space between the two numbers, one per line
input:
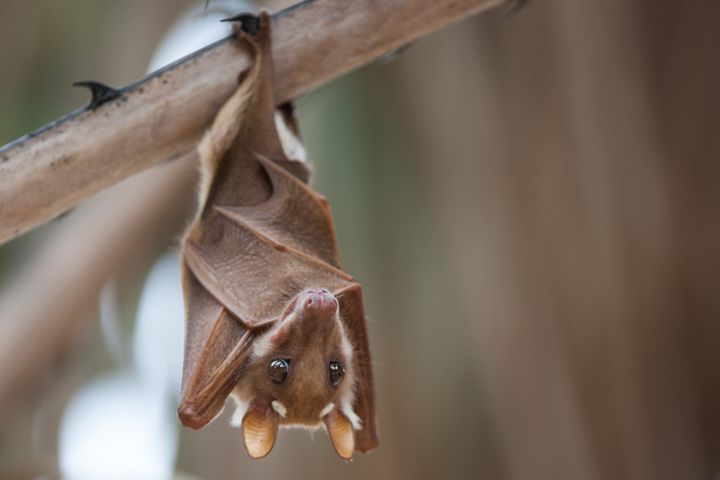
(272, 319)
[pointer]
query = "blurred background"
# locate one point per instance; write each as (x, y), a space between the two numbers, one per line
(531, 202)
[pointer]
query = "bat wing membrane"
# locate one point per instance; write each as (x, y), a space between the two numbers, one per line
(216, 344)
(352, 314)
(294, 216)
(227, 272)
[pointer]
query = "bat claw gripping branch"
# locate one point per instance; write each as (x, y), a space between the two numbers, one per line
(248, 22)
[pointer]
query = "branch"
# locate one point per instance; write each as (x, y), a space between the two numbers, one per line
(163, 115)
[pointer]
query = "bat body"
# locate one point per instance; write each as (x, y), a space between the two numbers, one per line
(272, 319)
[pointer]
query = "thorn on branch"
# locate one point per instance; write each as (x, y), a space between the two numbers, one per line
(100, 92)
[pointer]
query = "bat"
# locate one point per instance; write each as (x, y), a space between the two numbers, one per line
(272, 319)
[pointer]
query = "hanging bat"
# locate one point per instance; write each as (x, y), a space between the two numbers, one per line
(272, 319)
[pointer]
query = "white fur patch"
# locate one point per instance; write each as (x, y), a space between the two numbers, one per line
(328, 408)
(263, 344)
(241, 406)
(347, 396)
(345, 345)
(279, 408)
(347, 410)
(292, 146)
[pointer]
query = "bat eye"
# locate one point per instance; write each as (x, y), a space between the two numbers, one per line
(278, 370)
(337, 372)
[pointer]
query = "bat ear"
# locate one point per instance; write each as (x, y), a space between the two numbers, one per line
(341, 433)
(260, 425)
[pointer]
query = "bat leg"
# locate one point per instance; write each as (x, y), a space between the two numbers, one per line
(246, 22)
(100, 92)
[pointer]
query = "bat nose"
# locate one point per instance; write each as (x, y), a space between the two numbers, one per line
(320, 303)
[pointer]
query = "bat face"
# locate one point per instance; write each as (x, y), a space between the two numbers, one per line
(300, 372)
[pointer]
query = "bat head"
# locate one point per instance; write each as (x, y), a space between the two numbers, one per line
(299, 374)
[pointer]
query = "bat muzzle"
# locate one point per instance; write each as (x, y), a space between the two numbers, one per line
(318, 304)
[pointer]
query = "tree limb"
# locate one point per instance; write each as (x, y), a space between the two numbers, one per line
(163, 115)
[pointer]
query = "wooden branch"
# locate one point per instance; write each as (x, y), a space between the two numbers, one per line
(162, 116)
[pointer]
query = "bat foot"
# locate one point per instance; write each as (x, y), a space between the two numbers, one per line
(100, 92)
(247, 23)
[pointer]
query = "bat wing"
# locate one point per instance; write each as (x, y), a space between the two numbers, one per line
(216, 345)
(352, 314)
(287, 242)
(294, 216)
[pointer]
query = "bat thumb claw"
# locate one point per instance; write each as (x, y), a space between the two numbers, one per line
(249, 23)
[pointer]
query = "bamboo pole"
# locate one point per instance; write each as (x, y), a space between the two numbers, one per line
(163, 115)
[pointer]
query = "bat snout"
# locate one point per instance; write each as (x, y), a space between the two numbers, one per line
(319, 303)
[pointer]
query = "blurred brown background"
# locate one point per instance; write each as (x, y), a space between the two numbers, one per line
(531, 202)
